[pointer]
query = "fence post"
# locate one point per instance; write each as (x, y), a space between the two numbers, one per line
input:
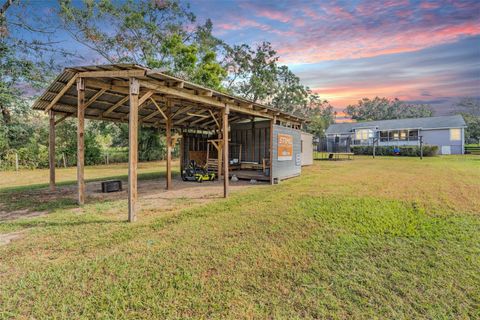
(16, 161)
(64, 161)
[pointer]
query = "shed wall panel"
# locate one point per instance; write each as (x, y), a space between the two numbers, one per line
(287, 168)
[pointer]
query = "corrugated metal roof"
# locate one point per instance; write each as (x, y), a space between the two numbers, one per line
(455, 121)
(68, 102)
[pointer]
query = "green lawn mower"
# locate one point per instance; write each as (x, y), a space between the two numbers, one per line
(193, 172)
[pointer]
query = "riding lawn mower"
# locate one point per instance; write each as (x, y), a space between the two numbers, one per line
(194, 172)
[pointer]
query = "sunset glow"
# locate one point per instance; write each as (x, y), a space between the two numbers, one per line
(418, 51)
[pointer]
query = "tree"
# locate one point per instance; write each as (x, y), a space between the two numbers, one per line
(320, 114)
(385, 109)
(469, 108)
(289, 94)
(155, 34)
(24, 66)
(252, 72)
(255, 75)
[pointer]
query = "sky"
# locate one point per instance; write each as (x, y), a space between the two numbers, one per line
(417, 51)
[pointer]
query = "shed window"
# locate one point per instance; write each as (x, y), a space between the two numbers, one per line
(455, 134)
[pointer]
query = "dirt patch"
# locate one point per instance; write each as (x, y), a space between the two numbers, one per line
(152, 196)
(8, 237)
(22, 213)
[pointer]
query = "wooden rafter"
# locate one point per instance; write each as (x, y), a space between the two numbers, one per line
(61, 93)
(183, 120)
(94, 98)
(198, 120)
(115, 106)
(215, 119)
(65, 116)
(159, 109)
(182, 110)
(199, 115)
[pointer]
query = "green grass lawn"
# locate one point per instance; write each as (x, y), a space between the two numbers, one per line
(394, 238)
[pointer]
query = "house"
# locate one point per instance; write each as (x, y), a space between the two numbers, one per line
(446, 132)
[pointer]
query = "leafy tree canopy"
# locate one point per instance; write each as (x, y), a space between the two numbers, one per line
(385, 109)
(469, 108)
(157, 34)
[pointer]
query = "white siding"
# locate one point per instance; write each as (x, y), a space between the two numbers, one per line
(307, 149)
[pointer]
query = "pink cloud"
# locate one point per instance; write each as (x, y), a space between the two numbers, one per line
(429, 5)
(312, 48)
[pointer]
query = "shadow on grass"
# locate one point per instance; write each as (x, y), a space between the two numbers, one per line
(32, 187)
(36, 200)
(67, 223)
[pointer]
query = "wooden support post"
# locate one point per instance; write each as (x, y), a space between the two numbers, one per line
(225, 113)
(168, 129)
(272, 122)
(81, 140)
(51, 150)
(253, 141)
(219, 150)
(133, 149)
(182, 150)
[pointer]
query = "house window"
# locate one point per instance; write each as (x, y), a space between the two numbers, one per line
(412, 135)
(455, 134)
(383, 136)
(393, 135)
(403, 135)
(363, 134)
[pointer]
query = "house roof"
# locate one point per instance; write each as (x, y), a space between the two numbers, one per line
(107, 91)
(455, 121)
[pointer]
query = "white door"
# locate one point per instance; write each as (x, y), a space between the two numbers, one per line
(446, 150)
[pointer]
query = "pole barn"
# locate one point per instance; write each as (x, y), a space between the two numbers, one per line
(234, 135)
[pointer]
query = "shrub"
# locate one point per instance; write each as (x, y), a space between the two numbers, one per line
(406, 151)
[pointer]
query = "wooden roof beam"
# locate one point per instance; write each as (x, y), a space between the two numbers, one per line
(181, 94)
(182, 110)
(179, 84)
(183, 120)
(115, 106)
(214, 118)
(113, 73)
(198, 120)
(210, 101)
(206, 93)
(94, 98)
(61, 93)
(65, 116)
(159, 109)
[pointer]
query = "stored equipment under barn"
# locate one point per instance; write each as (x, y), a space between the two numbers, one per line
(228, 134)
